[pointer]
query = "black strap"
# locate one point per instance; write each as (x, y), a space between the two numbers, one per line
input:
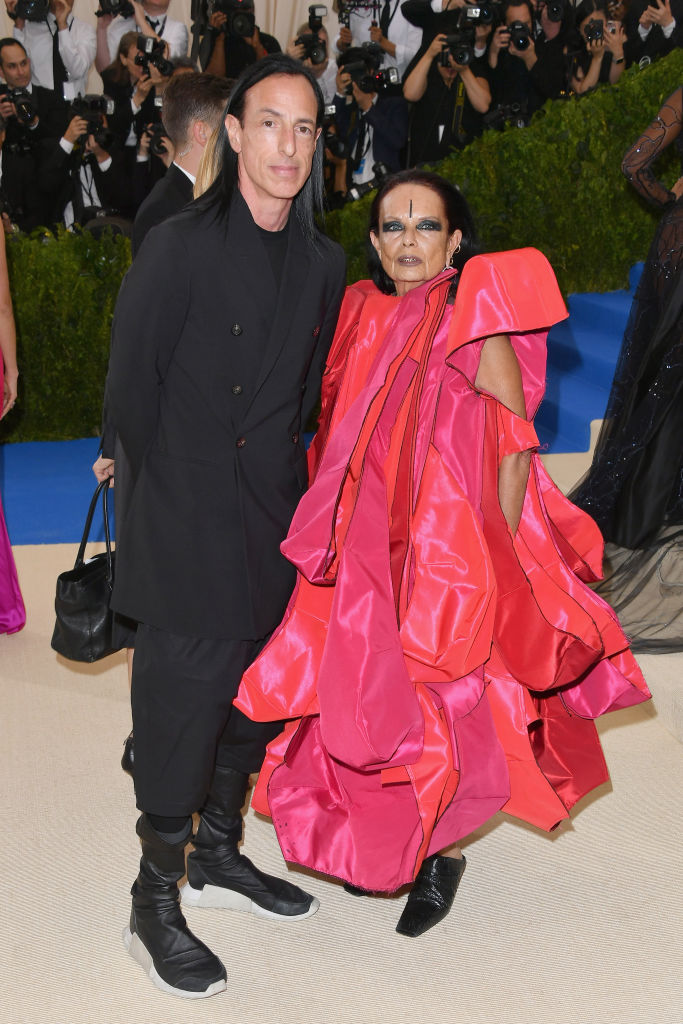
(103, 489)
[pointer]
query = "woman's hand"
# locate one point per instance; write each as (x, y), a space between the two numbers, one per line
(9, 390)
(615, 41)
(596, 49)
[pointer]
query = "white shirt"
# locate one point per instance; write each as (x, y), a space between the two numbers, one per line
(172, 32)
(405, 37)
(77, 46)
(328, 82)
(365, 171)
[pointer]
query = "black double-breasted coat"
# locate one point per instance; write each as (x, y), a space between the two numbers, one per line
(212, 374)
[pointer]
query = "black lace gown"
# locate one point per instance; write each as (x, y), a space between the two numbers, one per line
(634, 488)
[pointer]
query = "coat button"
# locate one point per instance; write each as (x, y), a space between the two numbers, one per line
(236, 329)
(295, 438)
(240, 442)
(237, 389)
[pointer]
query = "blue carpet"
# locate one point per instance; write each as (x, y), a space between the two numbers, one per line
(46, 487)
(582, 354)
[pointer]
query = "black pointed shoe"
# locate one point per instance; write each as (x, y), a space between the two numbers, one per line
(432, 894)
(218, 875)
(158, 937)
(128, 758)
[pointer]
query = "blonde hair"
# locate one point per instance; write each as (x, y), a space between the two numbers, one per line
(210, 164)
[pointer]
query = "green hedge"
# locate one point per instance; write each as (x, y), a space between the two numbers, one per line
(64, 287)
(556, 185)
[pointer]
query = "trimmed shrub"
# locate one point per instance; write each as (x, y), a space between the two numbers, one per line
(64, 287)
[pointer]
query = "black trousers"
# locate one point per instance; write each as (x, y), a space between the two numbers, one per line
(183, 719)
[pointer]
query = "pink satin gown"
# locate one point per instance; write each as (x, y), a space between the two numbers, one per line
(12, 611)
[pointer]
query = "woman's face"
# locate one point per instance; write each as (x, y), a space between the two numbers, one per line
(413, 243)
(136, 71)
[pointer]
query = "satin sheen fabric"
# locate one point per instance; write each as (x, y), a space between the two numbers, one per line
(436, 668)
(12, 612)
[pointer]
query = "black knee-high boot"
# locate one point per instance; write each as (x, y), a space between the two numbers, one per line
(218, 875)
(158, 936)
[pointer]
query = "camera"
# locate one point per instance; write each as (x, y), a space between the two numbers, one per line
(380, 171)
(520, 35)
(369, 81)
(157, 134)
(241, 20)
(92, 108)
(555, 10)
(593, 32)
(152, 52)
(32, 10)
(514, 114)
(459, 46)
(336, 146)
(347, 7)
(23, 103)
(315, 48)
(114, 7)
(484, 13)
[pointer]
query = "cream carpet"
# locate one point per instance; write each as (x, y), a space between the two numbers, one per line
(579, 927)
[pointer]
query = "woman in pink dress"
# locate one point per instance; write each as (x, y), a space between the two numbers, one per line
(12, 613)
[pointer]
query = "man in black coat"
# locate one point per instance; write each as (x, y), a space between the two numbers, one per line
(219, 339)
(193, 105)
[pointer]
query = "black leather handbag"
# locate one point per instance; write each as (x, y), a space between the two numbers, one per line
(83, 630)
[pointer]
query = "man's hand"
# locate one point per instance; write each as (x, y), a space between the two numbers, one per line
(342, 82)
(677, 188)
(142, 90)
(436, 45)
(77, 127)
(11, 6)
(7, 109)
(296, 50)
(345, 37)
(104, 469)
(528, 55)
(256, 44)
(93, 146)
(500, 40)
(660, 13)
(61, 10)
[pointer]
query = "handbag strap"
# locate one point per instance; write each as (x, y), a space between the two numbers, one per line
(103, 489)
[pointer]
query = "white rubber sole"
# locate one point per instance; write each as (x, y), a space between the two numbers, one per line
(228, 899)
(141, 956)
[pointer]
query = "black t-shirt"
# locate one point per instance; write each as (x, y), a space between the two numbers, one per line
(275, 243)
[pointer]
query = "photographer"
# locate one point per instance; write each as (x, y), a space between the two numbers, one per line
(449, 99)
(308, 45)
(599, 53)
(654, 28)
(136, 86)
(61, 47)
(381, 22)
(81, 173)
(521, 77)
(192, 110)
(21, 203)
(235, 39)
(146, 18)
(374, 126)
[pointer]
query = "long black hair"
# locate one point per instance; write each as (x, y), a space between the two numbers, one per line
(310, 200)
(458, 215)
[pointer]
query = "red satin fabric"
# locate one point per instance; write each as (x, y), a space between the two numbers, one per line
(438, 669)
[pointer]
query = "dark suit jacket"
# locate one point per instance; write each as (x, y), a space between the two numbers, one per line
(168, 196)
(208, 395)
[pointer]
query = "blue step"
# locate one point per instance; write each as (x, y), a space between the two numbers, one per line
(588, 353)
(564, 418)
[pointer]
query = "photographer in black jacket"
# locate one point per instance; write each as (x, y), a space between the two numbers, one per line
(448, 98)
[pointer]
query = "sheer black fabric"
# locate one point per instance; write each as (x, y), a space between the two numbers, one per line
(634, 488)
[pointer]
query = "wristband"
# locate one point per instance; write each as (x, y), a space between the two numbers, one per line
(618, 60)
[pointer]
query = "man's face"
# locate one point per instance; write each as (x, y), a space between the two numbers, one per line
(520, 13)
(69, 4)
(15, 67)
(276, 140)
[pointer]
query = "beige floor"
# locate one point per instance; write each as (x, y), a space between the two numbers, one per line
(579, 928)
